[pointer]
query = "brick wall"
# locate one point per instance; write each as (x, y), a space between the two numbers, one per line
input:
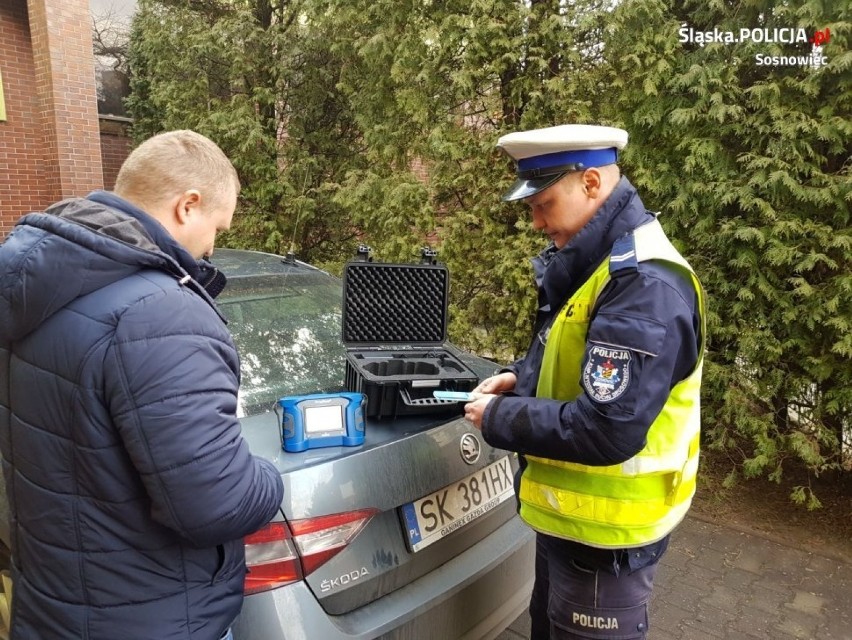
(116, 145)
(50, 142)
(22, 176)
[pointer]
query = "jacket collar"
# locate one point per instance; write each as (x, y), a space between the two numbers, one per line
(153, 228)
(559, 272)
(201, 271)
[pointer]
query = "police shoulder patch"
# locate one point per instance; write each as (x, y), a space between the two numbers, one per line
(606, 375)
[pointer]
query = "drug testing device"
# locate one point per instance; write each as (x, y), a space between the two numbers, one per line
(320, 420)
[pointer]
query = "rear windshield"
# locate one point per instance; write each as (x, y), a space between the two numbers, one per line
(287, 329)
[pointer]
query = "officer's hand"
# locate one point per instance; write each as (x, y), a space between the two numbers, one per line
(474, 409)
(500, 383)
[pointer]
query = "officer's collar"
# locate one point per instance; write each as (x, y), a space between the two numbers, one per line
(562, 270)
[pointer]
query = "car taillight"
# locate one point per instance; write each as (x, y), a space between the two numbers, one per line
(277, 555)
(271, 558)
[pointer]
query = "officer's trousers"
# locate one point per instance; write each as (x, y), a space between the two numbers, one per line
(572, 600)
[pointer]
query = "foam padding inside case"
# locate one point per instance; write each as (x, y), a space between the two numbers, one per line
(394, 304)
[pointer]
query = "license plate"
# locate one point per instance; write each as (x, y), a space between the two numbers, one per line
(439, 514)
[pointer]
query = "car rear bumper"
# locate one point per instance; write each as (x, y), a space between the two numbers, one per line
(473, 596)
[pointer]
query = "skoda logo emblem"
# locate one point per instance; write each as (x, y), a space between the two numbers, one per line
(470, 448)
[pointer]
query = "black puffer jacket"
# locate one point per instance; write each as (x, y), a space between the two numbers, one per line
(130, 487)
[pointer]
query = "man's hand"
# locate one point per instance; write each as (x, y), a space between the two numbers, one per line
(500, 383)
(474, 409)
(486, 391)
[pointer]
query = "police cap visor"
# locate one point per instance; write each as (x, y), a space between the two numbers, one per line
(524, 188)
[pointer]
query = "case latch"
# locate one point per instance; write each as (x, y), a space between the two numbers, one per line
(362, 254)
(428, 256)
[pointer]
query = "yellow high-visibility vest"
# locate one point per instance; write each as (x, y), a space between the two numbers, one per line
(642, 499)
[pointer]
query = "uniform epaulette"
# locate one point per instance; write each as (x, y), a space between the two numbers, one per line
(623, 254)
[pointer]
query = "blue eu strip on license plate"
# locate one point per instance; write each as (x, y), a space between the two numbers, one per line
(439, 514)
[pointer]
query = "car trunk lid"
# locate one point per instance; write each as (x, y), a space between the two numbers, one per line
(354, 516)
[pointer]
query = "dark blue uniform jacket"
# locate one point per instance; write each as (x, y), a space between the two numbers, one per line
(130, 488)
(651, 310)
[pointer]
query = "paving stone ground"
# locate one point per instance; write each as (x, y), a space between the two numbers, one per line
(717, 582)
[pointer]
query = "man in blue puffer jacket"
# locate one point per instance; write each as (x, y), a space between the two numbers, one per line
(130, 487)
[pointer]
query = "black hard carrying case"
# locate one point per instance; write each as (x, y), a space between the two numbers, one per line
(395, 329)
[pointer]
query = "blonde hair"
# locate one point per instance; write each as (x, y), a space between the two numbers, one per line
(171, 163)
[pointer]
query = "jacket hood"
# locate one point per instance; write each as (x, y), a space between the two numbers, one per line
(74, 248)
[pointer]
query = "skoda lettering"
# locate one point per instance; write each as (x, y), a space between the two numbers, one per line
(342, 581)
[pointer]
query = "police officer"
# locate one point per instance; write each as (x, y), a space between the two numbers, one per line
(604, 407)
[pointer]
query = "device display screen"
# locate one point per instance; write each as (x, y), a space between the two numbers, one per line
(327, 419)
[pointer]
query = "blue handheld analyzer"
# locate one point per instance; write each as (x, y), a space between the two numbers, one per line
(322, 420)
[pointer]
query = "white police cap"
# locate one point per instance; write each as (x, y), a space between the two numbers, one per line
(543, 156)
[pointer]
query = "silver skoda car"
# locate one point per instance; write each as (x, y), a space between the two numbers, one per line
(412, 533)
